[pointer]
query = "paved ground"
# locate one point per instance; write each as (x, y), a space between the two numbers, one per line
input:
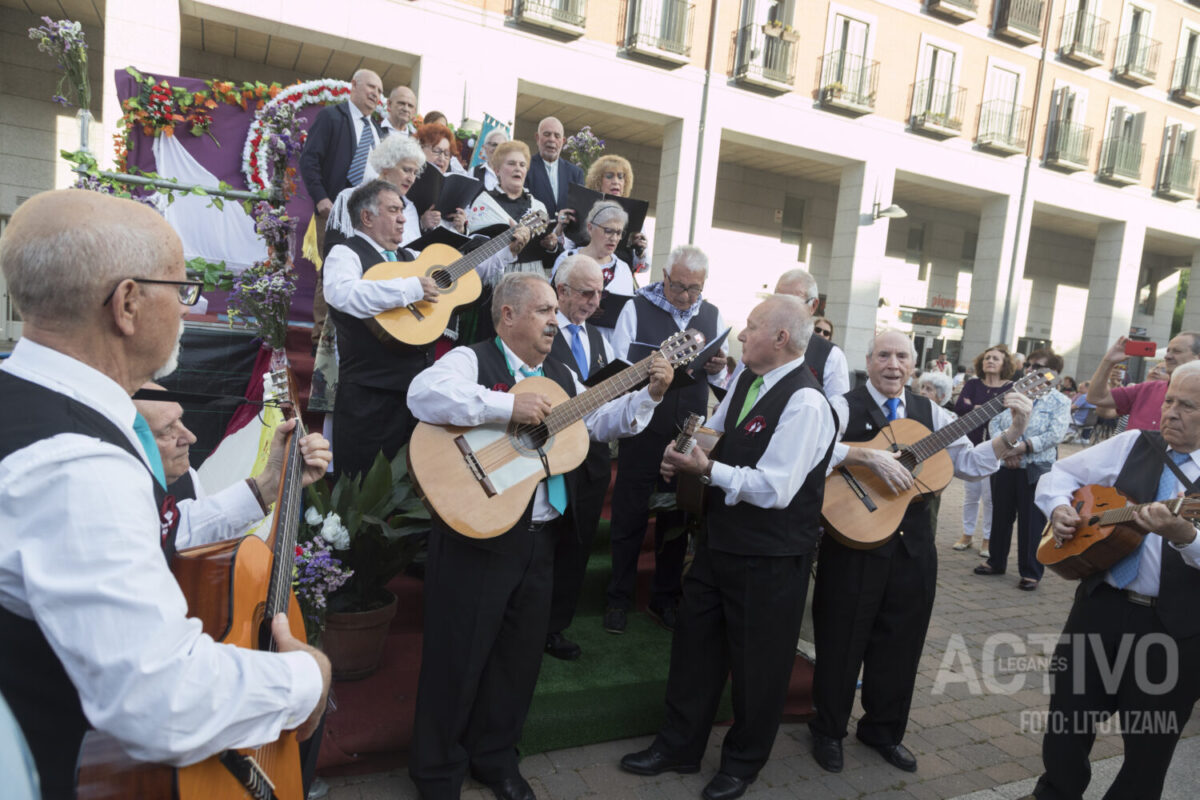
(974, 731)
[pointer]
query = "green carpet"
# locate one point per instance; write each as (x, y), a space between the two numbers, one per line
(616, 689)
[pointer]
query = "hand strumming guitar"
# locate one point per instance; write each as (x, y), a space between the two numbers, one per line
(530, 408)
(883, 463)
(430, 287)
(1064, 521)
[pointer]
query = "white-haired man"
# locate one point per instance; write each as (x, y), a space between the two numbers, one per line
(86, 527)
(484, 172)
(871, 608)
(743, 598)
(826, 360)
(1145, 606)
(657, 311)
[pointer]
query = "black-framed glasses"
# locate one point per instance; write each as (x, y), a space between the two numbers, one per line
(681, 288)
(586, 294)
(1037, 366)
(189, 291)
(612, 233)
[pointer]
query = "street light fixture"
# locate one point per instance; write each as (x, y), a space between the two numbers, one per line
(891, 212)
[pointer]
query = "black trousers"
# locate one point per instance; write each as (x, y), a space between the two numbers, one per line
(1151, 721)
(485, 620)
(366, 421)
(1012, 500)
(638, 461)
(740, 616)
(573, 548)
(871, 609)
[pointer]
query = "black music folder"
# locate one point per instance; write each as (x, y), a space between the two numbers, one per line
(609, 310)
(457, 192)
(581, 199)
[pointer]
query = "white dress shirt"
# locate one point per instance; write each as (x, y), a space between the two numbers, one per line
(837, 378)
(625, 335)
(971, 462)
(552, 174)
(449, 393)
(80, 553)
(563, 322)
(805, 430)
(1100, 464)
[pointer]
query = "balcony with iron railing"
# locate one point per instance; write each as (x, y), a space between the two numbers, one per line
(658, 29)
(938, 107)
(1020, 20)
(1137, 59)
(1121, 160)
(956, 9)
(1178, 178)
(847, 82)
(1068, 145)
(567, 17)
(1185, 83)
(763, 58)
(1083, 38)
(1003, 127)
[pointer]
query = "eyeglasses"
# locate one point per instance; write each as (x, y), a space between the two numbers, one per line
(825, 333)
(189, 291)
(612, 233)
(680, 288)
(1036, 366)
(586, 294)
(439, 151)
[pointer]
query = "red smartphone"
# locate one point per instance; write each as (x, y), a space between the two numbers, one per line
(1134, 348)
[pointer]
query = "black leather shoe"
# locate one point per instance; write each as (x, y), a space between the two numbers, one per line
(827, 752)
(560, 646)
(666, 616)
(614, 620)
(513, 788)
(652, 762)
(724, 786)
(897, 755)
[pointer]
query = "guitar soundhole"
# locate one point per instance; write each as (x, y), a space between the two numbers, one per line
(530, 437)
(442, 279)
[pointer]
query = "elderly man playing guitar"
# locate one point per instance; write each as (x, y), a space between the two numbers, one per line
(1144, 605)
(487, 601)
(871, 608)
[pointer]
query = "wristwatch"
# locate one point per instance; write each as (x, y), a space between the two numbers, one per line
(706, 477)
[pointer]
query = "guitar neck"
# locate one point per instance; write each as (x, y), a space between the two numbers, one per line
(285, 530)
(581, 405)
(941, 439)
(1117, 516)
(480, 254)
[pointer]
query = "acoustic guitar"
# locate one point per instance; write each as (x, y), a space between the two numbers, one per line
(457, 281)
(1107, 532)
(862, 512)
(689, 491)
(235, 588)
(480, 480)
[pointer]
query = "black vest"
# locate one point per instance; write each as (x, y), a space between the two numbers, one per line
(494, 374)
(599, 461)
(32, 679)
(815, 356)
(653, 326)
(1179, 584)
(866, 419)
(746, 529)
(362, 358)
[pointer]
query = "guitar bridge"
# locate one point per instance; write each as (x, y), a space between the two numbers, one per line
(858, 489)
(415, 312)
(249, 774)
(473, 464)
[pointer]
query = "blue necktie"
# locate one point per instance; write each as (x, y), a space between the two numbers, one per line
(556, 487)
(892, 404)
(150, 448)
(358, 165)
(1125, 570)
(577, 350)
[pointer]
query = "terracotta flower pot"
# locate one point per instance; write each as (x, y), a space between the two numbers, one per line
(354, 640)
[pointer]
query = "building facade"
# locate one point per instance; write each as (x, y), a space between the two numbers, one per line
(1042, 151)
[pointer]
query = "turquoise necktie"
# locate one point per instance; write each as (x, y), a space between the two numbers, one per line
(556, 487)
(1125, 570)
(389, 255)
(150, 447)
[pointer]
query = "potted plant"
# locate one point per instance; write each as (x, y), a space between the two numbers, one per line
(370, 521)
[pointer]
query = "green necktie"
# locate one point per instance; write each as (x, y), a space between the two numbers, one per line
(751, 396)
(142, 428)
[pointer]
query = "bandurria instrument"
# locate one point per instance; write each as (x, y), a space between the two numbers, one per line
(1106, 534)
(689, 491)
(862, 512)
(235, 587)
(422, 322)
(479, 480)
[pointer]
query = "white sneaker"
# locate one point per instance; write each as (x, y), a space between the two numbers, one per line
(984, 553)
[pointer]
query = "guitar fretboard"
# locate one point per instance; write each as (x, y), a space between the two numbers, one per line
(581, 405)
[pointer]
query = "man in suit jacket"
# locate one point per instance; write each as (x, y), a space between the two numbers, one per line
(581, 347)
(871, 608)
(328, 155)
(401, 106)
(1144, 606)
(549, 176)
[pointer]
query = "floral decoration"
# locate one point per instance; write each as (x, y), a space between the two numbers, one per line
(262, 295)
(318, 574)
(583, 148)
(256, 153)
(64, 40)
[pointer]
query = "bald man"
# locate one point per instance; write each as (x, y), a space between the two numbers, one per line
(825, 359)
(401, 106)
(86, 596)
